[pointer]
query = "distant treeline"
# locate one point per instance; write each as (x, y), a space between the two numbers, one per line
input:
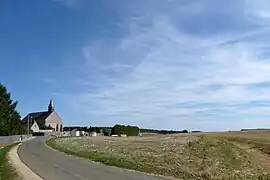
(162, 131)
(128, 130)
(122, 129)
(258, 129)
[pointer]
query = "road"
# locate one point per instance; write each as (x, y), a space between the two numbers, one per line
(52, 165)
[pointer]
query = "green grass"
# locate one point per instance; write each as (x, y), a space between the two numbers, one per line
(257, 140)
(206, 158)
(258, 143)
(6, 170)
(217, 158)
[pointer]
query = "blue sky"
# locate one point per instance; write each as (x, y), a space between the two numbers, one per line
(169, 64)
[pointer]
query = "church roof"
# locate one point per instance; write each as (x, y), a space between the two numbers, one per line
(39, 117)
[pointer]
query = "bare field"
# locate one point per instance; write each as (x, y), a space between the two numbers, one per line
(185, 156)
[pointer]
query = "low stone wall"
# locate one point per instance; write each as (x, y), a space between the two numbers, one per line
(11, 139)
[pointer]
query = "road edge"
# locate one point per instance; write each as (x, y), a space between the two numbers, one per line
(23, 171)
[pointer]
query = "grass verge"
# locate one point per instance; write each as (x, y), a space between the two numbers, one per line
(206, 158)
(258, 143)
(6, 170)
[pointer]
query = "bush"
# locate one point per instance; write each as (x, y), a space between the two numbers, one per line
(185, 131)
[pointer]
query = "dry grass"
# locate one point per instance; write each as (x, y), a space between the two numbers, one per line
(183, 155)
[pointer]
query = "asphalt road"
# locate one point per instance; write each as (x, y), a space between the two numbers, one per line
(52, 165)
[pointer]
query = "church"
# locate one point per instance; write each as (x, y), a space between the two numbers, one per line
(45, 121)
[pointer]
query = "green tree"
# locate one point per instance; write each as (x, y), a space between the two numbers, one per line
(106, 132)
(117, 130)
(10, 120)
(185, 131)
(128, 130)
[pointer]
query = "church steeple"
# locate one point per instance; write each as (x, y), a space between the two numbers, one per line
(51, 106)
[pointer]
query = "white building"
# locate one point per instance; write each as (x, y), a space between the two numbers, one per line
(93, 134)
(44, 121)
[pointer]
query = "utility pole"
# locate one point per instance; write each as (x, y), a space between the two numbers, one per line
(69, 128)
(28, 125)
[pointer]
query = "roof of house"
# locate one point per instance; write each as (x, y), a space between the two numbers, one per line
(39, 117)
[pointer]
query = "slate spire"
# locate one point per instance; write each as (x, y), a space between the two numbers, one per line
(51, 106)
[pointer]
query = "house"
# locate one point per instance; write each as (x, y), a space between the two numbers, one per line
(45, 121)
(75, 132)
(93, 134)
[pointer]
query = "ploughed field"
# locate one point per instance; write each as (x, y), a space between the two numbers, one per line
(184, 156)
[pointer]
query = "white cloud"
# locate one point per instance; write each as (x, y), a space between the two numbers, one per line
(259, 8)
(143, 76)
